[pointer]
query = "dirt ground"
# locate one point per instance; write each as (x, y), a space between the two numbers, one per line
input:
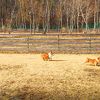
(67, 77)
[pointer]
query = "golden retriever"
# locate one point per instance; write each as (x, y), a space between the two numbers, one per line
(92, 61)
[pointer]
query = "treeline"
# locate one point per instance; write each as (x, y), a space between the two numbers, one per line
(72, 15)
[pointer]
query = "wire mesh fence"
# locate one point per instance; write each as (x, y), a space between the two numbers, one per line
(59, 43)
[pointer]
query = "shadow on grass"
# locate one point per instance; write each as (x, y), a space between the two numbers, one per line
(98, 65)
(58, 60)
(26, 93)
(43, 95)
(49, 96)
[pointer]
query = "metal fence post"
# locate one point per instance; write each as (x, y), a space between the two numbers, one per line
(28, 46)
(58, 43)
(90, 44)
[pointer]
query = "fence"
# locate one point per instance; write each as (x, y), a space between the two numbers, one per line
(62, 43)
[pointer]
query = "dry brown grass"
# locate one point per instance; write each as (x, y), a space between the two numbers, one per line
(67, 77)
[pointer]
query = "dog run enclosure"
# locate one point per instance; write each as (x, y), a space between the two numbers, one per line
(59, 43)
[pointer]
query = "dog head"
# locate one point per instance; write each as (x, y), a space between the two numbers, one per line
(87, 60)
(98, 58)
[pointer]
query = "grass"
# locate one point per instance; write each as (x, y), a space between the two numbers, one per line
(67, 77)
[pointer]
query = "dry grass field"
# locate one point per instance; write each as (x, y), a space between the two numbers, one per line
(67, 77)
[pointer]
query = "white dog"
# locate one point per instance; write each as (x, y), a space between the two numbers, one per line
(50, 54)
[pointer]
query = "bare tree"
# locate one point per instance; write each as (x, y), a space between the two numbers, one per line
(71, 14)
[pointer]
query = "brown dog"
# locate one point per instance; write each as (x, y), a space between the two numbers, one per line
(92, 61)
(47, 56)
(98, 59)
